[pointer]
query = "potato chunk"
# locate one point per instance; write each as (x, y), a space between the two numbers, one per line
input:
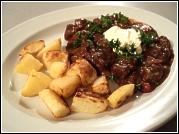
(58, 69)
(33, 48)
(88, 102)
(65, 86)
(84, 69)
(120, 95)
(54, 56)
(101, 86)
(54, 45)
(26, 63)
(55, 103)
(36, 82)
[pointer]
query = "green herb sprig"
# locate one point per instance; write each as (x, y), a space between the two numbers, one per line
(77, 43)
(88, 35)
(106, 21)
(90, 43)
(93, 27)
(147, 38)
(124, 52)
(114, 44)
(138, 86)
(121, 18)
(111, 77)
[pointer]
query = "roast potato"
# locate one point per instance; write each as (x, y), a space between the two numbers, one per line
(33, 48)
(36, 82)
(84, 69)
(26, 63)
(58, 69)
(88, 102)
(120, 95)
(101, 86)
(55, 103)
(54, 45)
(65, 86)
(54, 56)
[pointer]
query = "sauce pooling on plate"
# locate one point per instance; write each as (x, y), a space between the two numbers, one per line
(119, 57)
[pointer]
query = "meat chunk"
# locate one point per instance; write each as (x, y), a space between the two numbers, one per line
(78, 53)
(160, 49)
(122, 68)
(80, 24)
(101, 58)
(69, 32)
(152, 70)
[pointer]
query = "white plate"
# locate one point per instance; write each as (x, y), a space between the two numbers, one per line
(143, 113)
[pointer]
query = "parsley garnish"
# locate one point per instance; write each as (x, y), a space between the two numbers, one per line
(147, 39)
(131, 48)
(106, 21)
(93, 27)
(138, 86)
(121, 18)
(152, 74)
(88, 35)
(156, 83)
(90, 43)
(112, 77)
(78, 33)
(77, 43)
(129, 56)
(114, 44)
(99, 46)
(124, 52)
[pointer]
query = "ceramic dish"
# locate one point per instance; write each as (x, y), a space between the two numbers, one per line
(141, 112)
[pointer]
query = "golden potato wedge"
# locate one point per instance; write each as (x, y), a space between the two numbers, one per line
(36, 82)
(55, 103)
(53, 56)
(54, 45)
(26, 63)
(120, 95)
(88, 102)
(33, 48)
(58, 69)
(101, 86)
(65, 86)
(84, 69)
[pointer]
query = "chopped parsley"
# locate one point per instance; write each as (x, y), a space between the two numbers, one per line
(124, 52)
(152, 74)
(111, 77)
(147, 39)
(131, 49)
(106, 21)
(90, 43)
(77, 43)
(129, 56)
(121, 18)
(88, 35)
(78, 33)
(156, 83)
(138, 86)
(93, 27)
(114, 44)
(99, 46)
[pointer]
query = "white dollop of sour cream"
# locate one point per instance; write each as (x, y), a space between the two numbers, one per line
(125, 36)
